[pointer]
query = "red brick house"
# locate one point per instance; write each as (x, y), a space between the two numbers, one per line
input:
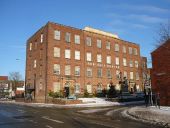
(160, 73)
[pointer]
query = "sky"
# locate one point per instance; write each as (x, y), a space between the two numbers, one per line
(136, 21)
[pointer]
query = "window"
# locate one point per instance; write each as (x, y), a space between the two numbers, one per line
(135, 51)
(57, 69)
(117, 74)
(35, 63)
(137, 76)
(124, 62)
(68, 37)
(89, 88)
(116, 47)
(67, 70)
(125, 74)
(99, 43)
(88, 41)
(57, 35)
(77, 88)
(30, 46)
(35, 44)
(99, 58)
(56, 52)
(99, 88)
(108, 59)
(77, 39)
(124, 49)
(130, 50)
(42, 36)
(77, 70)
(99, 72)
(89, 72)
(136, 64)
(117, 60)
(131, 75)
(67, 54)
(56, 86)
(108, 45)
(109, 73)
(77, 55)
(88, 56)
(131, 63)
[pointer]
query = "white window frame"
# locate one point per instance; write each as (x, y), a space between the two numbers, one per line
(131, 63)
(56, 52)
(137, 76)
(89, 72)
(67, 54)
(116, 47)
(77, 71)
(41, 38)
(108, 45)
(99, 43)
(77, 55)
(35, 63)
(124, 49)
(117, 61)
(125, 74)
(124, 62)
(56, 69)
(135, 51)
(57, 35)
(56, 86)
(30, 46)
(99, 58)
(77, 88)
(136, 64)
(88, 41)
(108, 59)
(130, 51)
(77, 39)
(68, 37)
(88, 56)
(131, 76)
(89, 88)
(99, 72)
(67, 70)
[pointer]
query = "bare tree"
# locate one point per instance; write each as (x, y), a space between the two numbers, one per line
(15, 78)
(163, 33)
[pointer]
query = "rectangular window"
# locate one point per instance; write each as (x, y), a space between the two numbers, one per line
(67, 54)
(89, 88)
(77, 71)
(131, 75)
(77, 39)
(99, 44)
(124, 49)
(42, 38)
(99, 72)
(117, 60)
(77, 55)
(88, 41)
(89, 72)
(125, 74)
(67, 70)
(77, 88)
(68, 37)
(88, 56)
(136, 64)
(109, 73)
(130, 63)
(99, 58)
(116, 47)
(30, 46)
(56, 69)
(137, 76)
(117, 74)
(135, 51)
(57, 35)
(130, 50)
(108, 59)
(56, 86)
(56, 52)
(108, 45)
(124, 62)
(35, 63)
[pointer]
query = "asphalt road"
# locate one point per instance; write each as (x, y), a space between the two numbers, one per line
(15, 116)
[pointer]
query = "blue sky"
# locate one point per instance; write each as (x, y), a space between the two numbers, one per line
(133, 20)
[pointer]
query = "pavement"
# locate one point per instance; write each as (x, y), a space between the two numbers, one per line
(151, 115)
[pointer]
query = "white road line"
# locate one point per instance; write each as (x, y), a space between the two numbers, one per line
(47, 118)
(48, 126)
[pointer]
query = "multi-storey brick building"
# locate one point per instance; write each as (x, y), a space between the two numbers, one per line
(160, 73)
(60, 56)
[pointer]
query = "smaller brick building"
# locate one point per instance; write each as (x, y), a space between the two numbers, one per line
(160, 73)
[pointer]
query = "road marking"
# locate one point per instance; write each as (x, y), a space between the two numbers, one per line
(48, 126)
(47, 118)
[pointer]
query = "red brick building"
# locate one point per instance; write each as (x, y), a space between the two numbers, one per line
(161, 72)
(60, 56)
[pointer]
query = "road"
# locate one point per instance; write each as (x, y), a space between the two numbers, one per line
(16, 116)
